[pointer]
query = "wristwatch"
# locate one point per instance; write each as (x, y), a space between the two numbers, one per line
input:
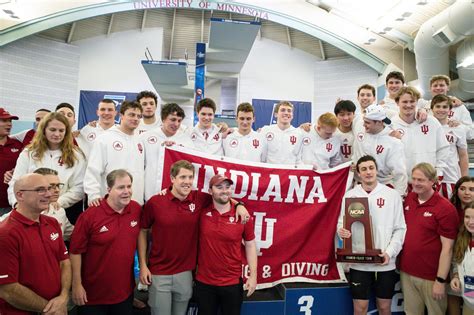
(440, 280)
(240, 203)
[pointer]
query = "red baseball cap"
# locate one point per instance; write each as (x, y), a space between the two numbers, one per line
(218, 179)
(4, 114)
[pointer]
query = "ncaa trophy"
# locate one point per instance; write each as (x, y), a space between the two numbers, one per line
(357, 210)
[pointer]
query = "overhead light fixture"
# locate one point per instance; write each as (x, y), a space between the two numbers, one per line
(469, 61)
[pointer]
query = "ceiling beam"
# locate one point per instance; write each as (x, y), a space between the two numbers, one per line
(172, 34)
(111, 22)
(143, 20)
(321, 48)
(71, 33)
(288, 36)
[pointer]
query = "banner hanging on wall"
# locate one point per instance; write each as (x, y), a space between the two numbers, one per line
(264, 112)
(89, 100)
(295, 211)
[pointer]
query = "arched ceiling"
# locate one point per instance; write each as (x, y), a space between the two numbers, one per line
(373, 31)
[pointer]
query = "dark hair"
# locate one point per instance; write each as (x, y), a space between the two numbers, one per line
(119, 173)
(441, 98)
(143, 94)
(344, 105)
(396, 75)
(366, 87)
(206, 102)
(178, 165)
(171, 108)
(246, 108)
(45, 171)
(43, 110)
(129, 105)
(65, 105)
(107, 100)
(366, 158)
(454, 197)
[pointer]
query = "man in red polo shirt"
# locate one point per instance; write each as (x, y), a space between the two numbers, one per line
(35, 272)
(432, 224)
(173, 217)
(9, 151)
(218, 278)
(103, 244)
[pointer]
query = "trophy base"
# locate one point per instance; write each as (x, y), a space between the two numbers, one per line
(369, 257)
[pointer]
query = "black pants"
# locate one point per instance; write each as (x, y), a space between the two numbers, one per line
(74, 211)
(122, 308)
(210, 298)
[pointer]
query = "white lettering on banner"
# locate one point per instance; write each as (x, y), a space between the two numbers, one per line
(297, 185)
(306, 302)
(304, 269)
(263, 244)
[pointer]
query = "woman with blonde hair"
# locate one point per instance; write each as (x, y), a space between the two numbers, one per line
(463, 261)
(53, 147)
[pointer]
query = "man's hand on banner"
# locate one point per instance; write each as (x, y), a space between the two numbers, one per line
(162, 193)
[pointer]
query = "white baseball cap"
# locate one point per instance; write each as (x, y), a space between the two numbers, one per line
(377, 112)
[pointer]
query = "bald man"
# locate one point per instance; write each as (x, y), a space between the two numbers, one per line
(35, 272)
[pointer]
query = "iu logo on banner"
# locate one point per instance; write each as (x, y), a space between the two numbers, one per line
(424, 129)
(260, 223)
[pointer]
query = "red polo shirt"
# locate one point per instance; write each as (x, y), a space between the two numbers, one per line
(9, 153)
(174, 225)
(425, 224)
(220, 247)
(107, 241)
(31, 253)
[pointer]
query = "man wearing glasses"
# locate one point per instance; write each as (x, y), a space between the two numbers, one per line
(35, 271)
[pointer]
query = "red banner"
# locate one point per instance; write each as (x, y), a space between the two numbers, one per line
(295, 211)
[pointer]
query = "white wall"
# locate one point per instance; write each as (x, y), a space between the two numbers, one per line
(113, 63)
(37, 73)
(275, 71)
(339, 78)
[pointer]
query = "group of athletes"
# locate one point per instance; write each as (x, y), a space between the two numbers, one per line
(410, 160)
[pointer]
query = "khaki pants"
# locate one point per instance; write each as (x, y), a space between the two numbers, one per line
(417, 293)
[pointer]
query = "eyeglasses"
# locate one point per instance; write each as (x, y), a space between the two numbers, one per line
(44, 190)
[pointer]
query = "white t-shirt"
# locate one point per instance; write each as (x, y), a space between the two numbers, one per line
(347, 142)
(208, 141)
(456, 137)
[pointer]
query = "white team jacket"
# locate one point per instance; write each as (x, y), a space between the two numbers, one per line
(251, 147)
(284, 146)
(389, 154)
(423, 142)
(153, 141)
(213, 144)
(115, 150)
(388, 224)
(73, 190)
(324, 153)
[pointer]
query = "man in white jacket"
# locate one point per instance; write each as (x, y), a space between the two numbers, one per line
(387, 150)
(388, 232)
(169, 133)
(119, 148)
